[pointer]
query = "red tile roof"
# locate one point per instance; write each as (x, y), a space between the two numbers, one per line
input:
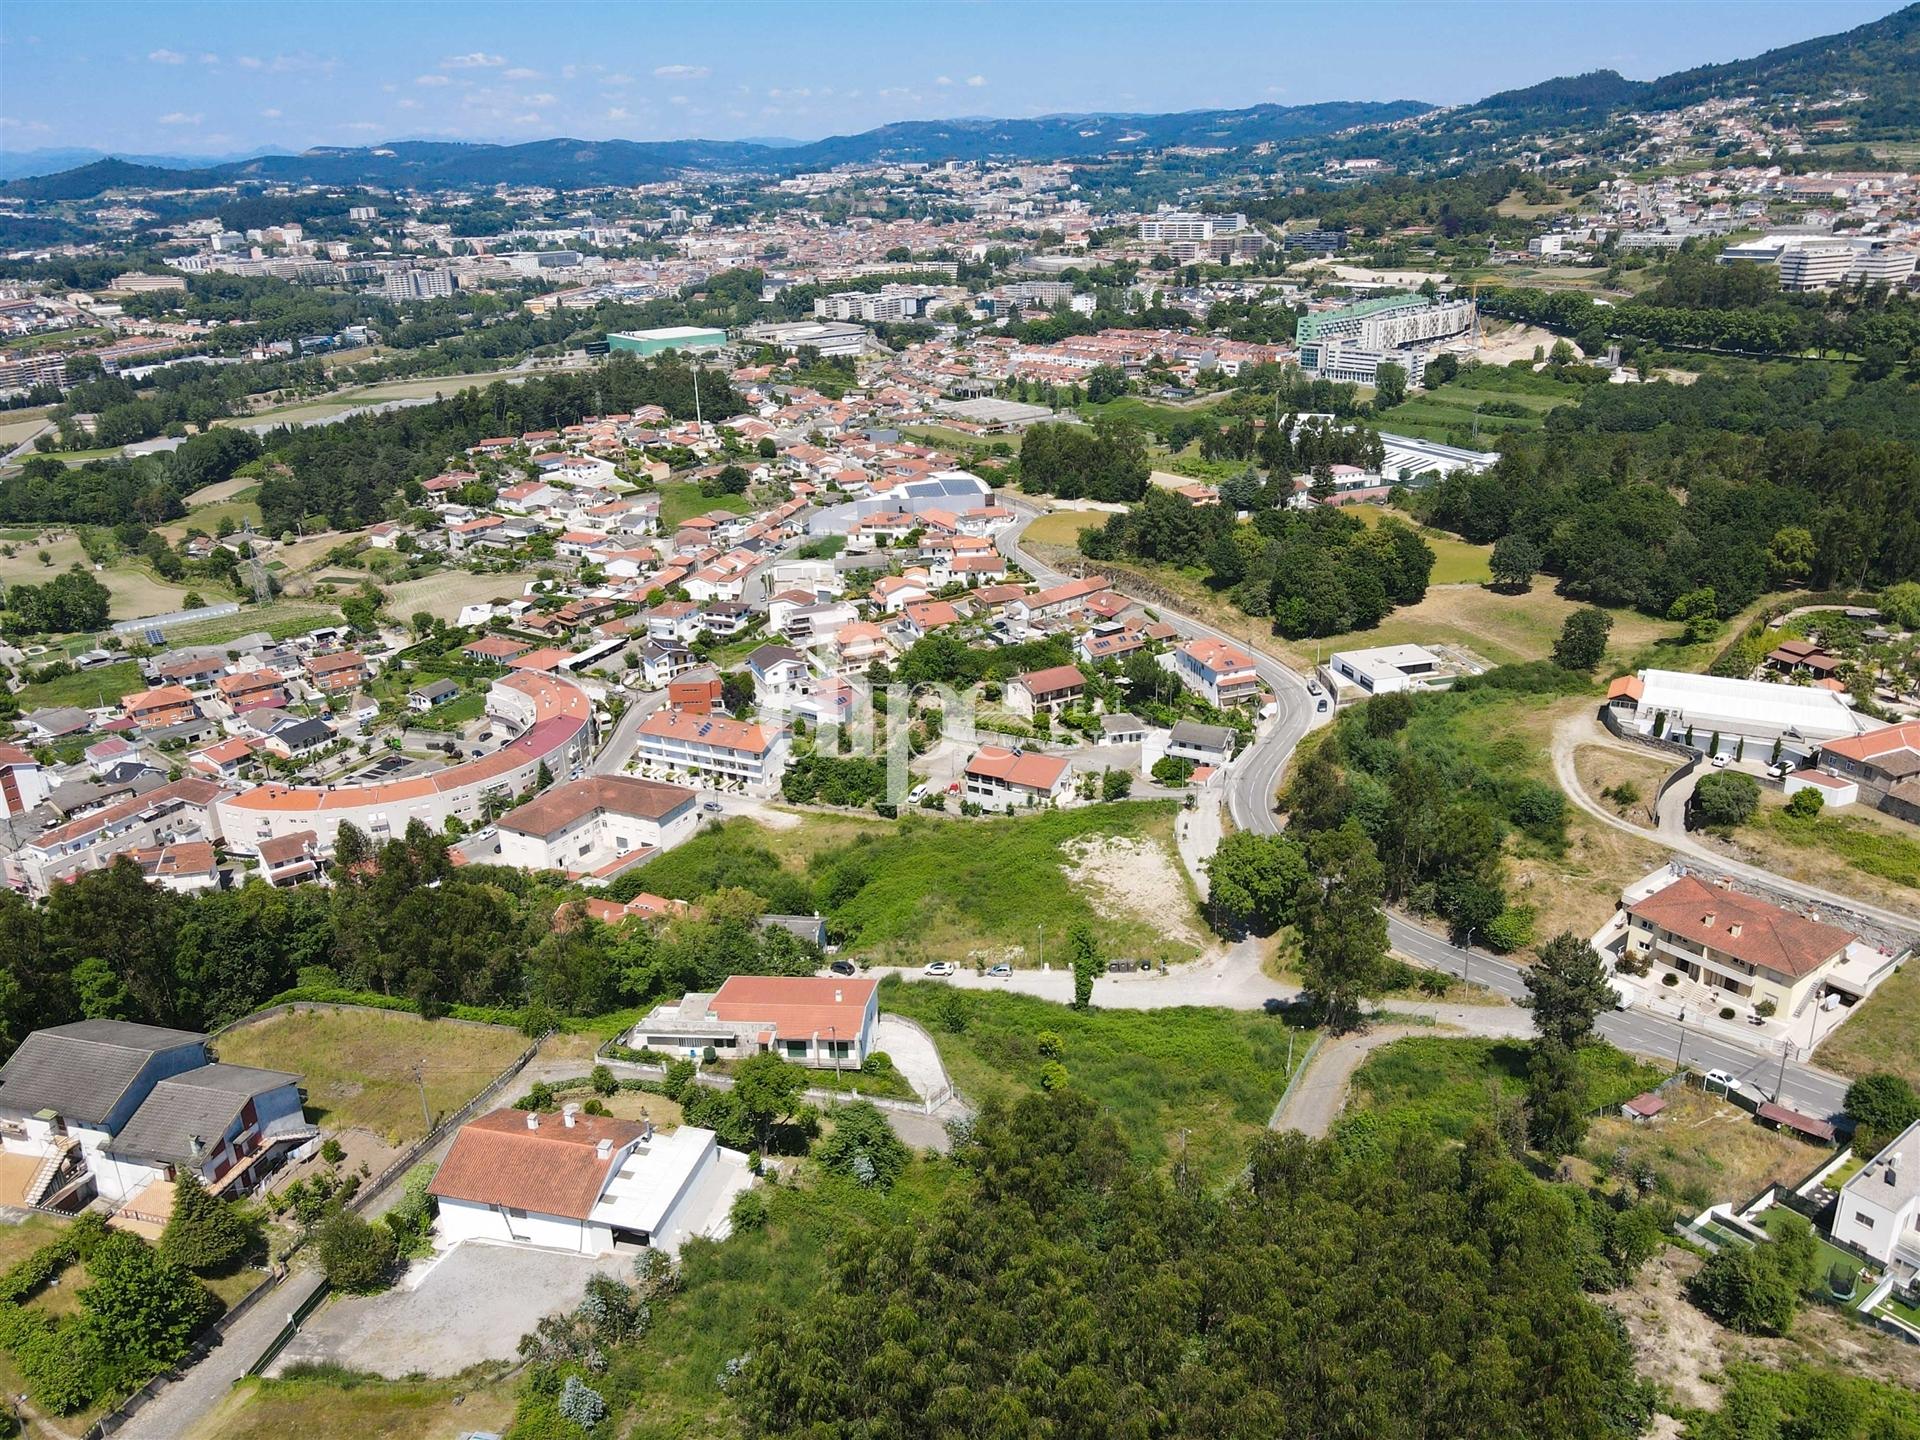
(1748, 929)
(554, 1170)
(795, 1006)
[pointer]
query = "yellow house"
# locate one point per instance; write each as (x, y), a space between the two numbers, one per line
(1736, 943)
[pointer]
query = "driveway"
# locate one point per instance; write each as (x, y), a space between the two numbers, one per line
(913, 1054)
(471, 1303)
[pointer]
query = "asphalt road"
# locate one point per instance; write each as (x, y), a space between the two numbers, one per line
(1252, 783)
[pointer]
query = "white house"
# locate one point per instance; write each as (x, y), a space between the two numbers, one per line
(712, 747)
(1879, 1209)
(1001, 779)
(583, 1183)
(1223, 673)
(818, 1021)
(598, 826)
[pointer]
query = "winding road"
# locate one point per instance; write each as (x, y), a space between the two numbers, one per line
(1255, 779)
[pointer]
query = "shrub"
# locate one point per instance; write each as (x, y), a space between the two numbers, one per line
(879, 1065)
(1726, 799)
(332, 1151)
(749, 1211)
(603, 1081)
(581, 1404)
(679, 1080)
(1172, 770)
(204, 1232)
(357, 1257)
(1512, 928)
(863, 1146)
(1806, 803)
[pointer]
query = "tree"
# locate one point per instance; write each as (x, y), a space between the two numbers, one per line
(1583, 639)
(1515, 561)
(1115, 785)
(1756, 1289)
(767, 1090)
(148, 1310)
(204, 1232)
(1252, 880)
(1806, 803)
(1790, 555)
(1901, 604)
(1567, 990)
(1556, 1098)
(1882, 1105)
(1725, 799)
(1389, 385)
(863, 1146)
(1699, 610)
(1171, 770)
(1083, 954)
(1343, 932)
(357, 1257)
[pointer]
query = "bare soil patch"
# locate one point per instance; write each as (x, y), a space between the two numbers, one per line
(1136, 877)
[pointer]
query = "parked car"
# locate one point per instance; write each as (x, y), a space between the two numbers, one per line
(1002, 971)
(1779, 770)
(1722, 1080)
(485, 832)
(1322, 709)
(1313, 687)
(1122, 967)
(1722, 760)
(712, 807)
(939, 969)
(915, 795)
(843, 968)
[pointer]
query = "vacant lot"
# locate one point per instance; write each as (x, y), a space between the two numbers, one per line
(1455, 562)
(358, 1067)
(1881, 1033)
(1602, 768)
(681, 501)
(329, 1404)
(1446, 1086)
(23, 1233)
(88, 689)
(1210, 1076)
(442, 596)
(1063, 527)
(1702, 1150)
(136, 592)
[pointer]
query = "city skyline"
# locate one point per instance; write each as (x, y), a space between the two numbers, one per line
(216, 80)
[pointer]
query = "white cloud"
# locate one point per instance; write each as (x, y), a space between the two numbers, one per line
(537, 99)
(179, 117)
(32, 127)
(521, 72)
(943, 80)
(166, 57)
(619, 112)
(474, 60)
(431, 80)
(250, 62)
(681, 72)
(676, 99)
(270, 114)
(530, 118)
(616, 81)
(976, 81)
(408, 104)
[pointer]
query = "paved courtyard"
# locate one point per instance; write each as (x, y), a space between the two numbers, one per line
(470, 1304)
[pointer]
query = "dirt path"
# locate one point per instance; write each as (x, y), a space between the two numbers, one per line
(1320, 1091)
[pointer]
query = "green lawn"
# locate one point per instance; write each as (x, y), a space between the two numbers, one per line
(680, 501)
(454, 713)
(1212, 1076)
(1455, 561)
(357, 1066)
(1880, 1033)
(102, 685)
(322, 1404)
(1445, 1087)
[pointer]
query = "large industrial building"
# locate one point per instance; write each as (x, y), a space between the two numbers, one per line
(1352, 343)
(1698, 710)
(664, 339)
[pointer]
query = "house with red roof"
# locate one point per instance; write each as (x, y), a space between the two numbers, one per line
(1881, 766)
(818, 1021)
(1002, 779)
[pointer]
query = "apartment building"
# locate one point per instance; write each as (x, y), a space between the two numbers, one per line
(712, 749)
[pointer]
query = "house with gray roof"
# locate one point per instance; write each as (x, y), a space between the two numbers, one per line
(107, 1107)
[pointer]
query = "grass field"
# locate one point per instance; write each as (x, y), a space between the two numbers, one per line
(135, 591)
(1869, 842)
(357, 1065)
(329, 1403)
(88, 689)
(208, 515)
(1214, 1075)
(1461, 405)
(444, 595)
(1702, 1149)
(325, 406)
(681, 500)
(1063, 527)
(1455, 561)
(24, 1234)
(1445, 1087)
(278, 618)
(1880, 1034)
(927, 889)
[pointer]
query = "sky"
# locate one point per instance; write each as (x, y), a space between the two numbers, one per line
(259, 75)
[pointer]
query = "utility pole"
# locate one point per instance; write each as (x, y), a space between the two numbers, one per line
(1466, 957)
(420, 1079)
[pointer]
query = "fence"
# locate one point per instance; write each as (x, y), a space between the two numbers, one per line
(131, 1406)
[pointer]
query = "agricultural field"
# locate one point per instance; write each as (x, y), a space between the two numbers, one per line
(1486, 402)
(358, 1066)
(136, 591)
(1063, 527)
(1197, 1079)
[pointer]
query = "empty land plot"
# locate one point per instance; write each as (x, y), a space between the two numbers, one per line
(444, 595)
(327, 1405)
(88, 689)
(358, 1066)
(1700, 1148)
(1455, 561)
(1879, 1035)
(1604, 767)
(1063, 527)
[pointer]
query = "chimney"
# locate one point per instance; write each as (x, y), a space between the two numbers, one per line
(568, 1113)
(836, 995)
(533, 1119)
(604, 1149)
(1893, 1168)
(1707, 919)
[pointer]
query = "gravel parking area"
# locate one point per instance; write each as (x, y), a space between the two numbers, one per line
(470, 1304)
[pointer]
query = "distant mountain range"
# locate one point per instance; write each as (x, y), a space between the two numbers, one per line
(1880, 62)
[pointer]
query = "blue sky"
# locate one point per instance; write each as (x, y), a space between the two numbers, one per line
(264, 74)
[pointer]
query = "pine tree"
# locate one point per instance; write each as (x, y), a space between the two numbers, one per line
(204, 1232)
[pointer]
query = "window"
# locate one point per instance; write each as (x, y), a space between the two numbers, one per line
(1864, 1221)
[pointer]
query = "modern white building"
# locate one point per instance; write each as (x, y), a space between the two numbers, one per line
(1692, 710)
(589, 1184)
(596, 827)
(1879, 1209)
(1388, 668)
(1352, 342)
(1165, 226)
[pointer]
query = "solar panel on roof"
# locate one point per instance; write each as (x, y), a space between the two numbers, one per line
(156, 636)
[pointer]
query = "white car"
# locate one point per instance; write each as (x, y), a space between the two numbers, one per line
(1721, 1080)
(939, 969)
(915, 795)
(1779, 770)
(1722, 760)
